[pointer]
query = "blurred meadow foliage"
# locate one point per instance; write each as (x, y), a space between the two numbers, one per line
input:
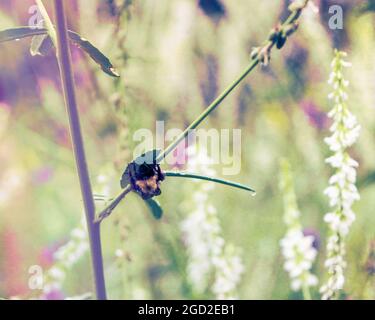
(174, 58)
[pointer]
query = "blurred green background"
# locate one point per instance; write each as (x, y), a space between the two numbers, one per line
(174, 58)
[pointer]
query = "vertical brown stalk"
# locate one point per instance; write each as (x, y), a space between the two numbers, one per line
(63, 55)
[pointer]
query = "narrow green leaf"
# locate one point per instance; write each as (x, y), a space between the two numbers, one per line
(94, 53)
(41, 45)
(201, 177)
(155, 208)
(75, 38)
(20, 32)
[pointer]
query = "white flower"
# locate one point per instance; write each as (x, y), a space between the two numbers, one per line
(229, 269)
(341, 192)
(11, 181)
(299, 255)
(119, 253)
(65, 257)
(57, 273)
(297, 249)
(208, 253)
(78, 234)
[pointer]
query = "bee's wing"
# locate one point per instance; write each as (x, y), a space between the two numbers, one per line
(155, 208)
(125, 179)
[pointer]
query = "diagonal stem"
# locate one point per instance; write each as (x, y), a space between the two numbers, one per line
(270, 43)
(63, 54)
(114, 203)
(207, 111)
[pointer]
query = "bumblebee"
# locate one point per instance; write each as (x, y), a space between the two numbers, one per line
(144, 175)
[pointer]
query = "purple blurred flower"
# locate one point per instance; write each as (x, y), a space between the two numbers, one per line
(8, 88)
(42, 175)
(81, 72)
(317, 118)
(180, 156)
(315, 234)
(209, 85)
(54, 294)
(62, 136)
(46, 255)
(5, 107)
(44, 70)
(296, 61)
(107, 10)
(6, 5)
(370, 263)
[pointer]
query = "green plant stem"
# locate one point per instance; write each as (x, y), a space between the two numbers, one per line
(211, 179)
(114, 203)
(206, 112)
(47, 21)
(67, 82)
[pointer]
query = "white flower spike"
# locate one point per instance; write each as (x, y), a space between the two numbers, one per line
(341, 192)
(209, 256)
(298, 249)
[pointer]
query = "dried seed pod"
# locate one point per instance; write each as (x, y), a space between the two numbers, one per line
(280, 41)
(265, 54)
(297, 5)
(277, 36)
(254, 53)
(290, 29)
(274, 34)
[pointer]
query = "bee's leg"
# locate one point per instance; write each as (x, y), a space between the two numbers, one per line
(161, 175)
